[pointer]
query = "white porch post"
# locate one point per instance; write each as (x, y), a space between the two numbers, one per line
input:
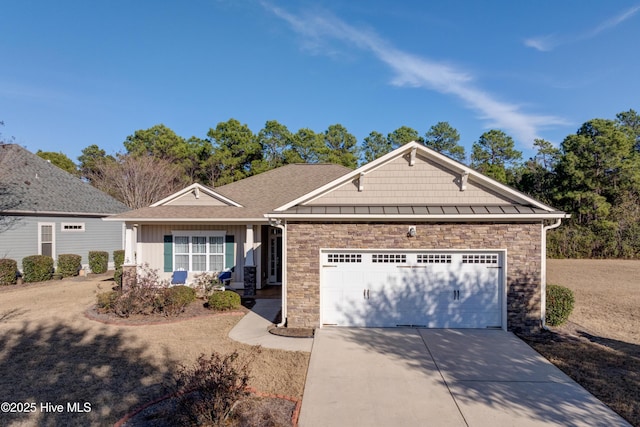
(250, 279)
(248, 247)
(130, 243)
(129, 273)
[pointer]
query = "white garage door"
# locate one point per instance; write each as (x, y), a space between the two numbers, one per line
(397, 288)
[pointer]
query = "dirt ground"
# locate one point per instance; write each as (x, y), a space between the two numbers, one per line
(607, 294)
(600, 345)
(51, 354)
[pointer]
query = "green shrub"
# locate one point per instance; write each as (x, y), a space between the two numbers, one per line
(8, 268)
(560, 303)
(98, 261)
(69, 264)
(118, 258)
(227, 300)
(117, 276)
(106, 301)
(37, 268)
(176, 299)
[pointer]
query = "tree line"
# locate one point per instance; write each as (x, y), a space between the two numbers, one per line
(594, 174)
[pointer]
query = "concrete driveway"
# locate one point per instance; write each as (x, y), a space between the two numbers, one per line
(440, 377)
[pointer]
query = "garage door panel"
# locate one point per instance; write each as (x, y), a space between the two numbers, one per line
(438, 290)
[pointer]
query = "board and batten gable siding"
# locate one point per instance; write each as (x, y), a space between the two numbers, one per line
(189, 199)
(154, 238)
(397, 183)
(21, 239)
(522, 243)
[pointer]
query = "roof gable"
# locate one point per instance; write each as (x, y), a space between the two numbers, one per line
(196, 195)
(31, 184)
(414, 174)
(398, 183)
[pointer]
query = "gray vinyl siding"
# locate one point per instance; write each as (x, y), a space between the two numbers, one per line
(99, 235)
(21, 240)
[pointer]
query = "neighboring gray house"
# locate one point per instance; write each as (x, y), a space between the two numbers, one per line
(44, 210)
(412, 238)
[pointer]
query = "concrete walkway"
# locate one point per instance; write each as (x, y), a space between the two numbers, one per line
(440, 377)
(253, 329)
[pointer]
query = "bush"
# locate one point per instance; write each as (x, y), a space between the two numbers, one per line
(69, 265)
(204, 284)
(118, 260)
(106, 301)
(227, 300)
(37, 268)
(117, 276)
(176, 299)
(145, 296)
(98, 261)
(560, 303)
(8, 268)
(208, 391)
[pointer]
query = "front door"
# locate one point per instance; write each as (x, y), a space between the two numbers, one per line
(275, 255)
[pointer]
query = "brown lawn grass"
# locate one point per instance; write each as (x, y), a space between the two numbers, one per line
(50, 352)
(600, 345)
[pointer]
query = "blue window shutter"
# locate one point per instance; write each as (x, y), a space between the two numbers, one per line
(229, 251)
(168, 253)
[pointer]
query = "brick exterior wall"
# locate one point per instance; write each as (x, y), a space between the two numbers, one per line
(522, 242)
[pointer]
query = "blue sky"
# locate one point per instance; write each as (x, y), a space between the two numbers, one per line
(77, 73)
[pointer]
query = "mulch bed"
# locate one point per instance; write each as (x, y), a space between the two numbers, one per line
(259, 409)
(292, 332)
(194, 310)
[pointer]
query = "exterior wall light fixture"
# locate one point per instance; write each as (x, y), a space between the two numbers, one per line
(412, 231)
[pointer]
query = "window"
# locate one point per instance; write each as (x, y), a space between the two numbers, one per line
(389, 258)
(72, 226)
(340, 258)
(480, 259)
(198, 252)
(46, 239)
(434, 258)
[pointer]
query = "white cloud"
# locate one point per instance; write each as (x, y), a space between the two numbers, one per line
(550, 42)
(319, 29)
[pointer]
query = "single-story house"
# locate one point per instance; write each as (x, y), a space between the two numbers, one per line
(412, 238)
(45, 210)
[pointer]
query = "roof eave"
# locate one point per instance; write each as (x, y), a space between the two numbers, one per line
(188, 220)
(55, 213)
(414, 217)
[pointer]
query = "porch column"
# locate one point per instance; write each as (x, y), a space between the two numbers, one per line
(250, 279)
(248, 247)
(129, 267)
(130, 243)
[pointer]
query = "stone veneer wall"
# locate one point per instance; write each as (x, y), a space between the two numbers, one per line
(522, 242)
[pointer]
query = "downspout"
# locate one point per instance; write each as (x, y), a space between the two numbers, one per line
(543, 272)
(283, 311)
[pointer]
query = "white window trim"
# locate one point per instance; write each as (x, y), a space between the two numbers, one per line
(198, 233)
(82, 228)
(53, 238)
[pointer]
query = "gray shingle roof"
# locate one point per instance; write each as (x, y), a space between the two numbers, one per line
(32, 184)
(257, 194)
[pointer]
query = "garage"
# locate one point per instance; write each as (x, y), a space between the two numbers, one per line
(433, 289)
